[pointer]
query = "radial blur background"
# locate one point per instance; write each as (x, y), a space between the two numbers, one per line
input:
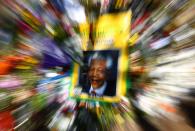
(41, 39)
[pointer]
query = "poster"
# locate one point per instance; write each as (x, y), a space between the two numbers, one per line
(99, 78)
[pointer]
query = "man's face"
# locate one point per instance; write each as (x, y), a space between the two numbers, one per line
(97, 73)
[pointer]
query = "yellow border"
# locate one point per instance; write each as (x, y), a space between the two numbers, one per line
(121, 84)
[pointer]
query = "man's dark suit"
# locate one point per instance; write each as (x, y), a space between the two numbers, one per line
(109, 91)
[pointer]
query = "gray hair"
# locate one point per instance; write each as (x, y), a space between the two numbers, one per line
(98, 56)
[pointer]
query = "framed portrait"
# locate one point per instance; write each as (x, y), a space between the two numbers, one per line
(101, 78)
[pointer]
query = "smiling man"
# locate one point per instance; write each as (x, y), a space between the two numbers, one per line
(99, 67)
